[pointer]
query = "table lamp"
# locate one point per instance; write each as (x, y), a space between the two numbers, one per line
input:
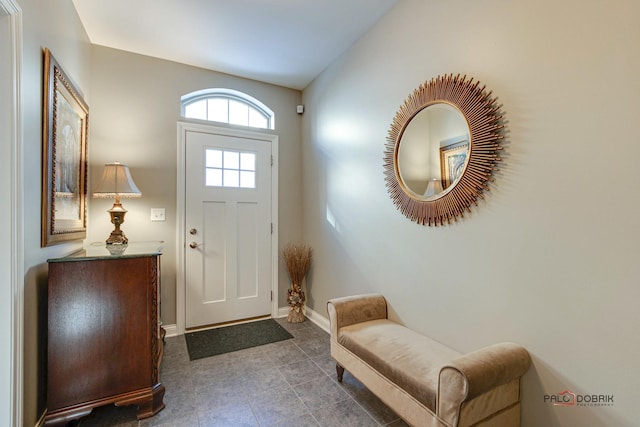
(117, 182)
(434, 186)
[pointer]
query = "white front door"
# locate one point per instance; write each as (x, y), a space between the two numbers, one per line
(228, 227)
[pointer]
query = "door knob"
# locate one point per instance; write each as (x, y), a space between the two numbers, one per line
(194, 245)
(193, 231)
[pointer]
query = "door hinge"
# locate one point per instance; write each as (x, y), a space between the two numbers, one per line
(272, 160)
(271, 295)
(271, 228)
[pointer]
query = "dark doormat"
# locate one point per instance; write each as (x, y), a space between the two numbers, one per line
(232, 338)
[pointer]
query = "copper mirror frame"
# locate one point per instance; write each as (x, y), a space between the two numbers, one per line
(486, 131)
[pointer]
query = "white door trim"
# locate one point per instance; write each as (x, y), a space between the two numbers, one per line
(183, 128)
(16, 264)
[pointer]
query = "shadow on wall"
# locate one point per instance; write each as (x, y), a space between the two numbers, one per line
(35, 337)
(308, 282)
(340, 260)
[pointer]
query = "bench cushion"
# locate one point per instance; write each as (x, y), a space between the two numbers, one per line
(408, 359)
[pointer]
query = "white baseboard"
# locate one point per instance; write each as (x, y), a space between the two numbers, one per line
(321, 321)
(283, 312)
(171, 330)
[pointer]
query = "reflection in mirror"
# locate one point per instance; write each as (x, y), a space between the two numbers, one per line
(433, 150)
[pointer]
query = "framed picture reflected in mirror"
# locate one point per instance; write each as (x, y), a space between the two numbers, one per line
(453, 157)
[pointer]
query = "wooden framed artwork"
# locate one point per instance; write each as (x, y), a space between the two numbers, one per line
(453, 157)
(65, 128)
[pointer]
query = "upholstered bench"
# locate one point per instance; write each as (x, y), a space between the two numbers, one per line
(423, 381)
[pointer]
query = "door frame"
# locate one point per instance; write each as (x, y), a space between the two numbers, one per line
(12, 327)
(183, 128)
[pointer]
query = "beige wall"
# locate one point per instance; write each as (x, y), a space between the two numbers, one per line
(135, 110)
(54, 25)
(549, 258)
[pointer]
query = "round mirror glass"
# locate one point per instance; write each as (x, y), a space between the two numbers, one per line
(433, 151)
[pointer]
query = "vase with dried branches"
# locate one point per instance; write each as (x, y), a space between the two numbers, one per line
(297, 259)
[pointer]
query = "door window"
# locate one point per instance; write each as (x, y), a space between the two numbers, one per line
(227, 106)
(228, 168)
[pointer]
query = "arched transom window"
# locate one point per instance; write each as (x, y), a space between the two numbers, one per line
(227, 106)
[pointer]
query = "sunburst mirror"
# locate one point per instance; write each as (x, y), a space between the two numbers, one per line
(442, 149)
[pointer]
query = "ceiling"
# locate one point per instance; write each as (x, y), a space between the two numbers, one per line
(283, 42)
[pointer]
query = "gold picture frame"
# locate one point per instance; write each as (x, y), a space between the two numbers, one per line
(65, 128)
(453, 158)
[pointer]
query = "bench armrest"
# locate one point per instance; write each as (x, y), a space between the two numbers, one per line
(478, 372)
(350, 310)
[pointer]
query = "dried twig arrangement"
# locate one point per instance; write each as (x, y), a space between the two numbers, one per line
(297, 259)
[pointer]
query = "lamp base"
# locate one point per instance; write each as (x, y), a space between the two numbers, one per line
(116, 249)
(117, 236)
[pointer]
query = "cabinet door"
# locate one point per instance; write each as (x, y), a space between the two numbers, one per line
(102, 329)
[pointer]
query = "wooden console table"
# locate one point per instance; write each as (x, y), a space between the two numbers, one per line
(104, 342)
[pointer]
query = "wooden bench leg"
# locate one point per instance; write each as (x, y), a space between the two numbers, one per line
(340, 372)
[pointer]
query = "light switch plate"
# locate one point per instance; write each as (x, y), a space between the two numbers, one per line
(157, 214)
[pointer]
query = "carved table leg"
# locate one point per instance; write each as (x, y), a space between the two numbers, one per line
(340, 372)
(153, 405)
(66, 417)
(149, 403)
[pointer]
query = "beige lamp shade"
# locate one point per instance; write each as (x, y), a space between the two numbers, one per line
(434, 186)
(116, 182)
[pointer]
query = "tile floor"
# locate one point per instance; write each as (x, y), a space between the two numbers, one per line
(288, 383)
